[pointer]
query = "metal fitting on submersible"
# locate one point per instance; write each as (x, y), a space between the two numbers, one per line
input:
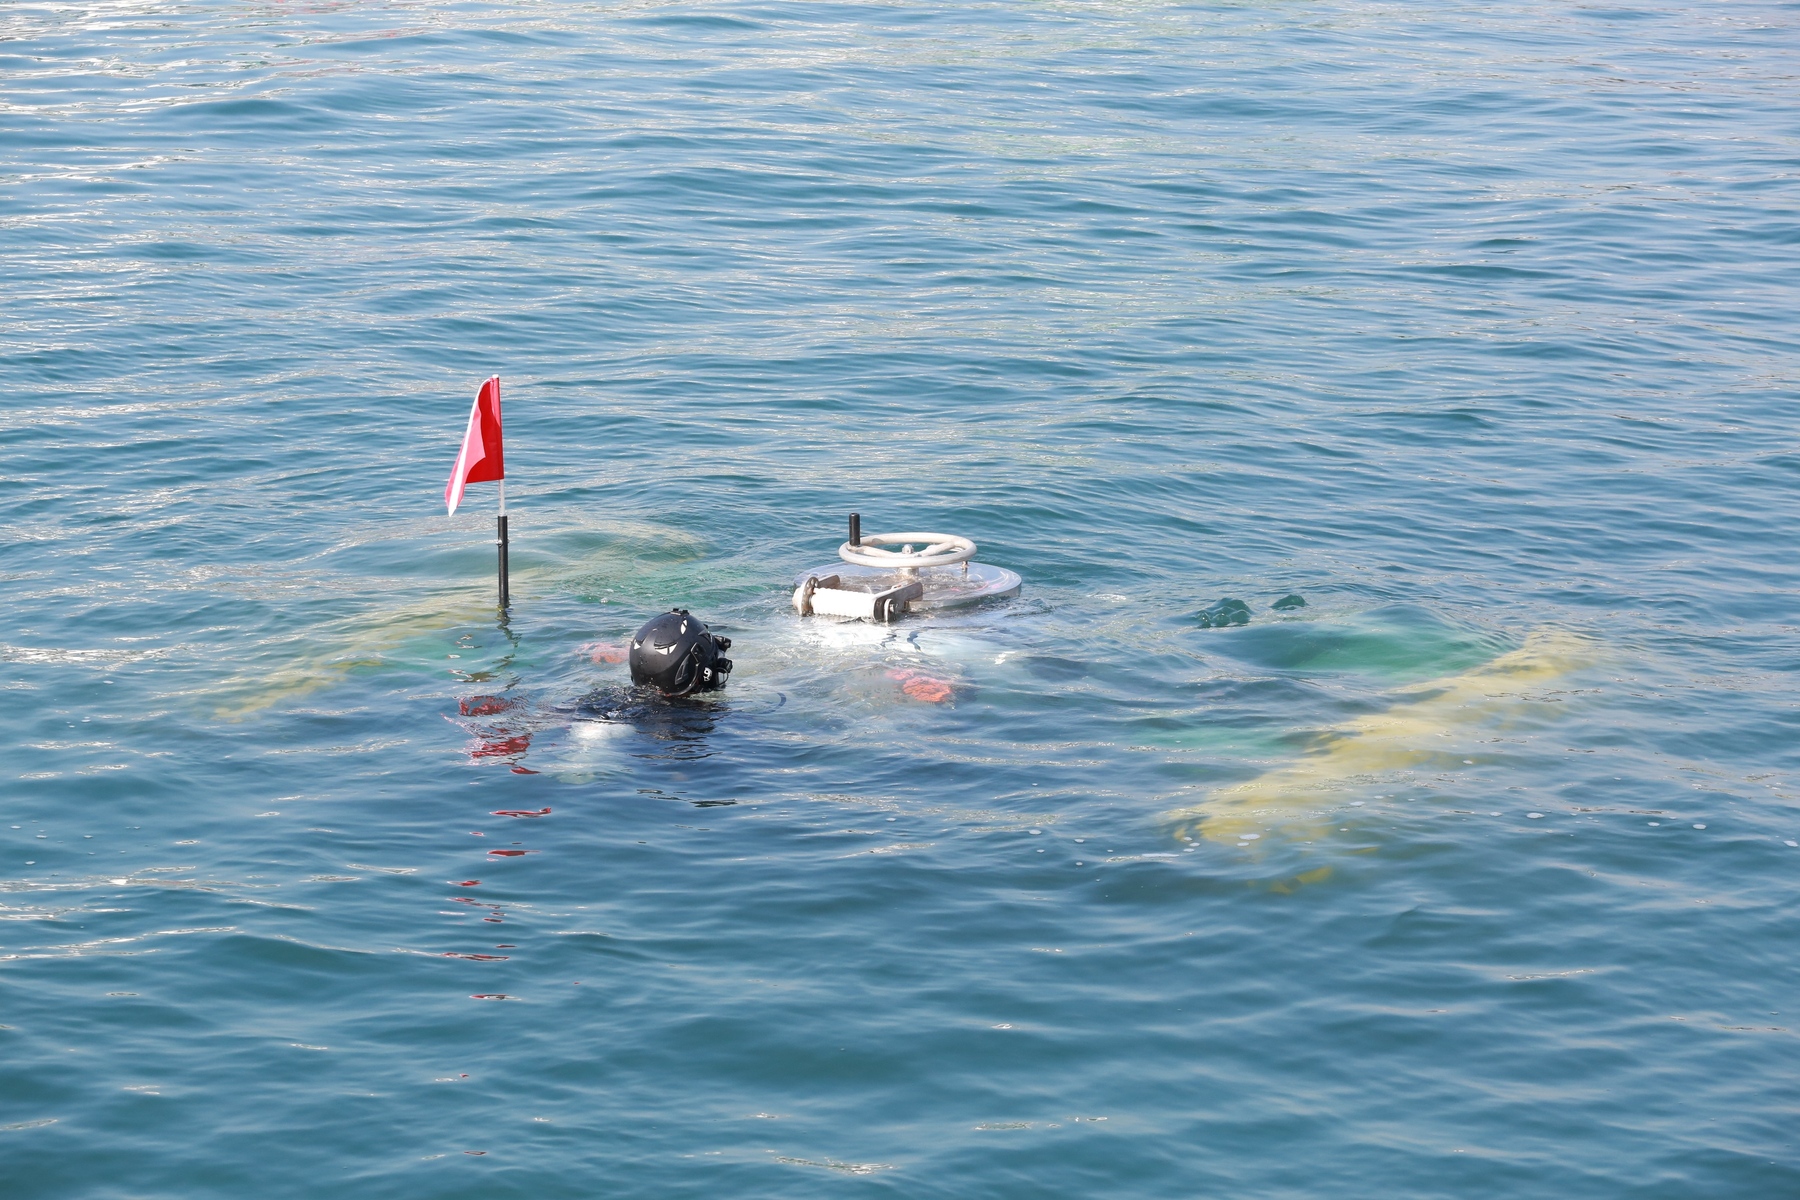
(677, 655)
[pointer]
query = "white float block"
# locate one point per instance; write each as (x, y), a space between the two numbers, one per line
(830, 602)
(818, 596)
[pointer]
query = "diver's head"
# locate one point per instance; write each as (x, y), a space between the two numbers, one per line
(677, 655)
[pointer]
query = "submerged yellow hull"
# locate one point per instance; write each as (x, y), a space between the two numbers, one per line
(1503, 693)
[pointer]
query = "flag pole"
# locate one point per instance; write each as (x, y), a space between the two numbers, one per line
(481, 460)
(505, 591)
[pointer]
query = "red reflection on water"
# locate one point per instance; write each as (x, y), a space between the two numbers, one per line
(510, 853)
(484, 706)
(499, 746)
(483, 998)
(921, 686)
(523, 771)
(478, 957)
(508, 946)
(521, 812)
(493, 920)
(463, 882)
(490, 996)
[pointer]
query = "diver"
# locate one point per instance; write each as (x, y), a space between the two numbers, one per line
(677, 655)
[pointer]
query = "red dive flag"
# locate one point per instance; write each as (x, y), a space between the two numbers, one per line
(480, 460)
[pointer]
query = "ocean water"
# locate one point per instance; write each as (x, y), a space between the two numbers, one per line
(1472, 325)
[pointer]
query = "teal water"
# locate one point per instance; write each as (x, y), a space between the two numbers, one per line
(1471, 324)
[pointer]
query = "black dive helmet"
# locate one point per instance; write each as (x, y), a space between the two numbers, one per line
(677, 655)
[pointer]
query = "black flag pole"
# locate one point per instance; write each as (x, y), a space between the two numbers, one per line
(505, 589)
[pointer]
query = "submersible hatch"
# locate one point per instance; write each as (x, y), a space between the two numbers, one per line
(877, 584)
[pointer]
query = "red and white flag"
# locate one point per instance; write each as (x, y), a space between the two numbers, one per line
(480, 460)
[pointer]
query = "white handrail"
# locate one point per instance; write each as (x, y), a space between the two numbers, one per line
(941, 550)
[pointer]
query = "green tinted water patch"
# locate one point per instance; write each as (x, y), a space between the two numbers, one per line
(575, 541)
(601, 559)
(443, 633)
(649, 567)
(707, 589)
(1395, 644)
(452, 632)
(1198, 732)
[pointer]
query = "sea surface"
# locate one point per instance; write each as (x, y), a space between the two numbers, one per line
(1471, 325)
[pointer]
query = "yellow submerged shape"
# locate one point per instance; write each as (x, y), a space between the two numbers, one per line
(1422, 731)
(415, 635)
(285, 672)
